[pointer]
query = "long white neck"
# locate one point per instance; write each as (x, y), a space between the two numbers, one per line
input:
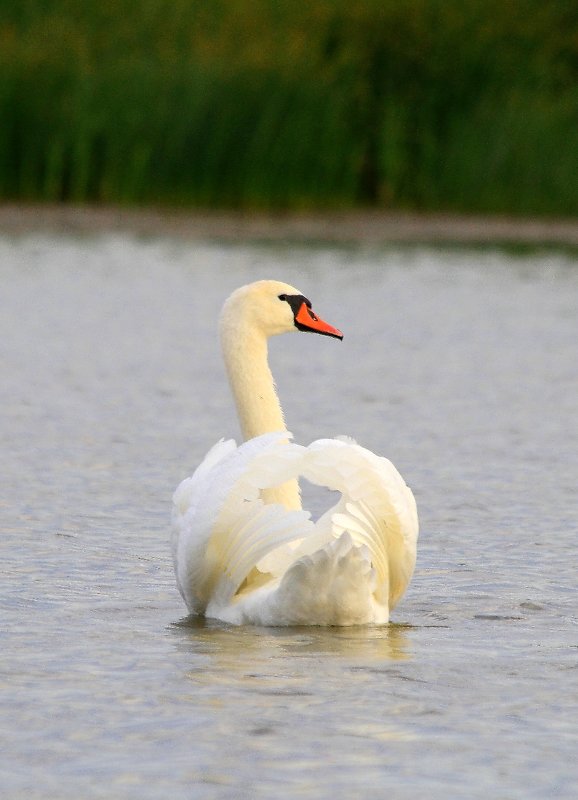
(258, 407)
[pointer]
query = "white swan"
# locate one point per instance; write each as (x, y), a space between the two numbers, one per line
(243, 550)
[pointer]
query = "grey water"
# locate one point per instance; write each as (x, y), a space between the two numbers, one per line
(459, 365)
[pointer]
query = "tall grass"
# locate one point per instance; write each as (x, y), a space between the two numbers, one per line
(432, 104)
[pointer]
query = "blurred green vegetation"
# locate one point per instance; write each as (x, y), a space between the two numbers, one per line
(467, 105)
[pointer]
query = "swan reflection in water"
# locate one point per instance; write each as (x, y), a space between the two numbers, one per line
(237, 647)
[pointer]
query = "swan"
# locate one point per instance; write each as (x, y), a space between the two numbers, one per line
(244, 551)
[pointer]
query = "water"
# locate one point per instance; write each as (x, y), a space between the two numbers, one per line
(458, 365)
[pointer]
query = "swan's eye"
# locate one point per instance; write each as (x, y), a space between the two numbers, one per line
(282, 297)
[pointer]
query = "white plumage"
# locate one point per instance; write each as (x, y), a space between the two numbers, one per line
(244, 552)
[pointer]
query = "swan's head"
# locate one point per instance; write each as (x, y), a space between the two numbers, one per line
(273, 307)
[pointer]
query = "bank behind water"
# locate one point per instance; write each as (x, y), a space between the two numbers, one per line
(372, 227)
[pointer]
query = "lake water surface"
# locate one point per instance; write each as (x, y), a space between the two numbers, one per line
(460, 366)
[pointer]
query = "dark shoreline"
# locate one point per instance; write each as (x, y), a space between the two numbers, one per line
(339, 227)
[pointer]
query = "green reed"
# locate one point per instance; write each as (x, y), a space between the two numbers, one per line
(431, 104)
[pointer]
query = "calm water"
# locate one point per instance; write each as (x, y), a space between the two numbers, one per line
(461, 366)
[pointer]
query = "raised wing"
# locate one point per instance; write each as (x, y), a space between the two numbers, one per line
(377, 508)
(222, 529)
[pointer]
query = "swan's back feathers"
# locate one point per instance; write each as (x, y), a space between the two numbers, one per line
(239, 559)
(334, 586)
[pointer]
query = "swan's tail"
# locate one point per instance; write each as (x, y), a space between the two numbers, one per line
(333, 586)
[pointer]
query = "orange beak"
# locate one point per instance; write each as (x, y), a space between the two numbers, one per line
(307, 320)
